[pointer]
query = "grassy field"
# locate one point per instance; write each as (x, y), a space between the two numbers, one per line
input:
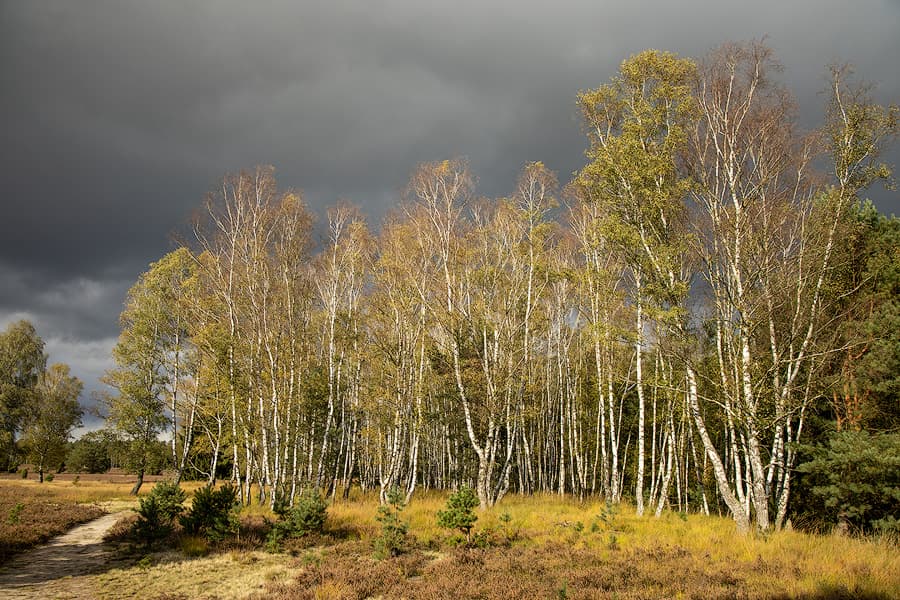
(31, 513)
(541, 547)
(551, 547)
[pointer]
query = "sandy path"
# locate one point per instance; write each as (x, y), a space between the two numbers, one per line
(59, 569)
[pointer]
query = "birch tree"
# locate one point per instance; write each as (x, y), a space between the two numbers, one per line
(137, 408)
(637, 128)
(398, 327)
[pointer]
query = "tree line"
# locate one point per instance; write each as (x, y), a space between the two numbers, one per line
(38, 404)
(705, 294)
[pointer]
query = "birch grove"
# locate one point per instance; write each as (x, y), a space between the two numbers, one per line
(650, 332)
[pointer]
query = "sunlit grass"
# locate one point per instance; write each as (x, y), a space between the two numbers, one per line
(31, 513)
(86, 489)
(801, 563)
(546, 544)
(59, 490)
(230, 575)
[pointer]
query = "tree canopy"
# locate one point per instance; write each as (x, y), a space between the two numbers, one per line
(670, 327)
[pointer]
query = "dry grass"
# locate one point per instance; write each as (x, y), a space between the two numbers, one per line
(555, 570)
(234, 574)
(542, 547)
(84, 488)
(31, 514)
(552, 547)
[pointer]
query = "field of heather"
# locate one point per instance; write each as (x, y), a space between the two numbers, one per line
(31, 513)
(539, 546)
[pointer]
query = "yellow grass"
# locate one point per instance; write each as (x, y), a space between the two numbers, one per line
(87, 489)
(548, 546)
(229, 575)
(82, 492)
(797, 563)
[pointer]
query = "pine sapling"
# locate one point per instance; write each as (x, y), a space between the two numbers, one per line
(459, 513)
(392, 540)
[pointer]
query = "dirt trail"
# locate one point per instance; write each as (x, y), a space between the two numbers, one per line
(59, 569)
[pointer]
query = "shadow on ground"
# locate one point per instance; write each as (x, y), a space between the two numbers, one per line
(78, 552)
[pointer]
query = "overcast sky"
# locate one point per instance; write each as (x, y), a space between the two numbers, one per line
(119, 116)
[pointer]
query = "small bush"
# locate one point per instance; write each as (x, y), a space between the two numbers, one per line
(213, 513)
(459, 513)
(307, 516)
(158, 511)
(24, 473)
(309, 512)
(151, 524)
(14, 512)
(606, 520)
(483, 539)
(511, 533)
(170, 497)
(392, 541)
(613, 543)
(48, 477)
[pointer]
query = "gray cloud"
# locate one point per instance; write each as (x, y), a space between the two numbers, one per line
(119, 116)
(77, 319)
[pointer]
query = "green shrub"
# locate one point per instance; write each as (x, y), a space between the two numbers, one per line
(855, 481)
(482, 539)
(308, 513)
(306, 516)
(392, 540)
(48, 477)
(24, 473)
(158, 511)
(151, 524)
(506, 527)
(606, 520)
(213, 513)
(170, 497)
(14, 512)
(458, 514)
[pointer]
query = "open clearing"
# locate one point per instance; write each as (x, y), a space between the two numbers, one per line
(542, 547)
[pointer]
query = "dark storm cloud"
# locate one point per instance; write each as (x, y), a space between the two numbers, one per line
(119, 116)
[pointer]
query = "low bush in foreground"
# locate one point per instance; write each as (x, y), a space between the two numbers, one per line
(556, 570)
(158, 512)
(392, 540)
(543, 546)
(305, 517)
(213, 513)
